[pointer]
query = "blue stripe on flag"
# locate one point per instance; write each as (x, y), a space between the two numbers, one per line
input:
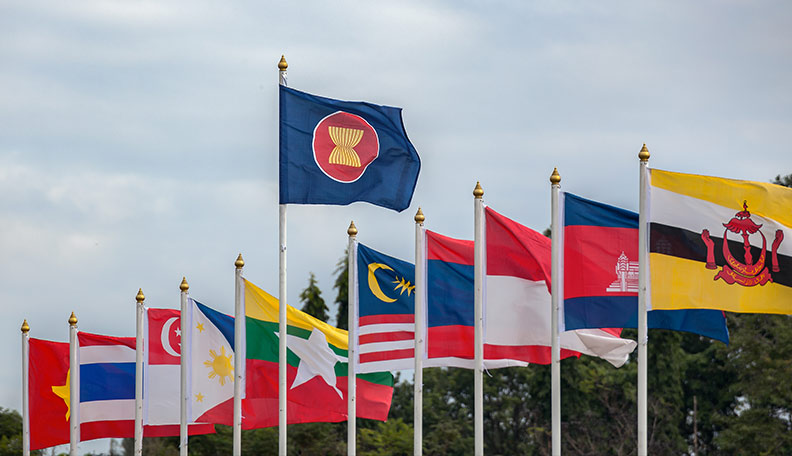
(222, 321)
(107, 381)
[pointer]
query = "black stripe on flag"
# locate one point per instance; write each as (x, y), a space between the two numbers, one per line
(681, 243)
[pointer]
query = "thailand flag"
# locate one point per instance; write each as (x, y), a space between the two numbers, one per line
(601, 274)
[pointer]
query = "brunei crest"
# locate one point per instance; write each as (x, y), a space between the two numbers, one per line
(344, 144)
(750, 273)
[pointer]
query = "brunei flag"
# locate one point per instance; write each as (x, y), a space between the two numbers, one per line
(719, 243)
(316, 373)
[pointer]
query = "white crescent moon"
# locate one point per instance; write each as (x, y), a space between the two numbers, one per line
(165, 339)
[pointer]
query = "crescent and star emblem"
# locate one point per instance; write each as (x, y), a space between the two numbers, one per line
(376, 290)
(165, 339)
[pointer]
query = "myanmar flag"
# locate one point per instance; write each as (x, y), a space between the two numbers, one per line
(719, 243)
(317, 369)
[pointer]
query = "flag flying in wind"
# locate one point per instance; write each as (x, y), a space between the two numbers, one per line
(339, 152)
(691, 264)
(316, 373)
(48, 393)
(601, 274)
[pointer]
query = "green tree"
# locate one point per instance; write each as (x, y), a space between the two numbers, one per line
(341, 286)
(312, 301)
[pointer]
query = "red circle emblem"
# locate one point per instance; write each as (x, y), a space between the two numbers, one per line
(344, 145)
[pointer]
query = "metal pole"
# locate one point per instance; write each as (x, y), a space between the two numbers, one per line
(352, 340)
(139, 373)
(556, 277)
(185, 324)
(643, 281)
(74, 387)
(25, 385)
(480, 272)
(239, 352)
(420, 325)
(282, 366)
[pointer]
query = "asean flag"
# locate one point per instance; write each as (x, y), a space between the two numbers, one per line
(338, 152)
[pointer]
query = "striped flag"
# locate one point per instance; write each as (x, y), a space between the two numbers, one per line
(719, 243)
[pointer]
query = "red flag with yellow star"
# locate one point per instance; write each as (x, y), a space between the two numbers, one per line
(48, 385)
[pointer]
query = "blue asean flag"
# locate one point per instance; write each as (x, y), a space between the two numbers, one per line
(338, 152)
(601, 274)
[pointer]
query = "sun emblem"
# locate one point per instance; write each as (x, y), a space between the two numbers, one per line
(220, 365)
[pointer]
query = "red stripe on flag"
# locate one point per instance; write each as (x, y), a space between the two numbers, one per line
(386, 337)
(534, 354)
(379, 319)
(448, 249)
(88, 339)
(387, 355)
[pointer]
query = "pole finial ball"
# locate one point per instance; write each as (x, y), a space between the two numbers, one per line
(419, 216)
(643, 155)
(478, 192)
(555, 178)
(140, 296)
(73, 320)
(184, 286)
(352, 230)
(25, 327)
(239, 263)
(282, 65)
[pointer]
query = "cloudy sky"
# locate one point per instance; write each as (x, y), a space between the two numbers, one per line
(138, 140)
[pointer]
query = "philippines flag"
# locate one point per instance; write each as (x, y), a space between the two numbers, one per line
(600, 245)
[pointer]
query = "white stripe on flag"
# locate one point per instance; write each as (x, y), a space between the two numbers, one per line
(386, 328)
(375, 347)
(94, 354)
(111, 410)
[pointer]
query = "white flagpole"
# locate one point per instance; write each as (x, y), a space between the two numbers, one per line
(480, 272)
(282, 66)
(139, 373)
(185, 347)
(352, 340)
(643, 281)
(74, 387)
(239, 352)
(556, 284)
(25, 393)
(420, 324)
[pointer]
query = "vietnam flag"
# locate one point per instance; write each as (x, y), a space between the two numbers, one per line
(48, 385)
(317, 369)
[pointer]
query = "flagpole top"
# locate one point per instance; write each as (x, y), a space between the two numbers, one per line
(239, 263)
(184, 286)
(282, 65)
(25, 327)
(643, 155)
(73, 319)
(352, 230)
(140, 296)
(478, 192)
(555, 178)
(419, 216)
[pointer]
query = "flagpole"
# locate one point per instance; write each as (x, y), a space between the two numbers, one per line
(556, 283)
(185, 347)
(282, 66)
(139, 373)
(352, 339)
(643, 281)
(420, 324)
(74, 387)
(480, 272)
(25, 393)
(239, 352)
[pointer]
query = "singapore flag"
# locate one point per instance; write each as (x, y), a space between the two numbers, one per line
(161, 377)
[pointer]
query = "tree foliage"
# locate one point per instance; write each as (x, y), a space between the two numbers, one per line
(312, 301)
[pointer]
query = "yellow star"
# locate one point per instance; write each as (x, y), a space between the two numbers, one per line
(63, 392)
(200, 327)
(404, 285)
(199, 397)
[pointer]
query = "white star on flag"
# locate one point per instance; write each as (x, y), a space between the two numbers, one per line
(316, 359)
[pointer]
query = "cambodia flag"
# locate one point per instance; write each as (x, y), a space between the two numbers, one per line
(601, 274)
(339, 152)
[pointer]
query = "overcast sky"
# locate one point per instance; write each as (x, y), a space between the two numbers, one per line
(138, 140)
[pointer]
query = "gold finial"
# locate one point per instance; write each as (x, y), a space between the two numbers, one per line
(643, 155)
(555, 178)
(419, 216)
(140, 296)
(282, 65)
(73, 320)
(239, 263)
(184, 285)
(25, 327)
(478, 192)
(352, 230)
